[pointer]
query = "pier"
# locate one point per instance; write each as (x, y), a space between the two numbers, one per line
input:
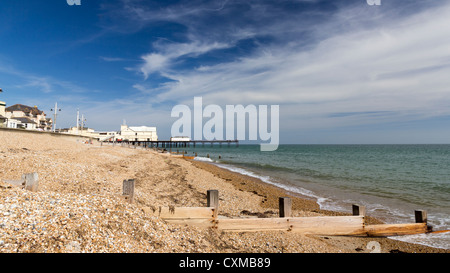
(175, 144)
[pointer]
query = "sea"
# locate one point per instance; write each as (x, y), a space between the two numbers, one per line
(391, 181)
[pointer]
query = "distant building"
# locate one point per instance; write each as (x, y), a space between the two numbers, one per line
(88, 132)
(107, 136)
(180, 138)
(13, 123)
(31, 118)
(79, 131)
(23, 123)
(126, 133)
(3, 118)
(137, 133)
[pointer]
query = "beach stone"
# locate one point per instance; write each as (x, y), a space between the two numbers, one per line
(73, 247)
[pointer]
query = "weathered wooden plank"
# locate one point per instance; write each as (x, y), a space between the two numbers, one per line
(321, 225)
(182, 213)
(324, 225)
(440, 231)
(385, 230)
(252, 224)
(327, 225)
(204, 223)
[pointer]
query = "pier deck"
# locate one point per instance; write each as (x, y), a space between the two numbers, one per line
(176, 144)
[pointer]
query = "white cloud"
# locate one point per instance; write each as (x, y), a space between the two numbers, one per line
(398, 67)
(41, 83)
(167, 53)
(154, 62)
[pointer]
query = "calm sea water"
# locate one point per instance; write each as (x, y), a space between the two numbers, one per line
(390, 180)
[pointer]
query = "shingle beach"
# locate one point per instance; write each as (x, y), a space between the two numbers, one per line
(78, 206)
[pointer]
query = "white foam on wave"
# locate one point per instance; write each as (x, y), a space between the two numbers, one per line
(268, 180)
(437, 240)
(199, 158)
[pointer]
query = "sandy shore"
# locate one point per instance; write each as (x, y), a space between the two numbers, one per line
(78, 207)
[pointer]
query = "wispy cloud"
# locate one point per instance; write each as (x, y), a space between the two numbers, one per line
(112, 59)
(358, 61)
(33, 85)
(167, 55)
(26, 80)
(40, 83)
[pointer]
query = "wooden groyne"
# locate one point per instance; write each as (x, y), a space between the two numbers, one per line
(209, 217)
(352, 225)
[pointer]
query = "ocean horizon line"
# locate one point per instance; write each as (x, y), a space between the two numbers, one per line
(251, 144)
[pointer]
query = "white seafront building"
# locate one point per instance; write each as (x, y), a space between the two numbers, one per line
(79, 131)
(136, 133)
(126, 133)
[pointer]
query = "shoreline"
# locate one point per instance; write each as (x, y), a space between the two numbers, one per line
(79, 206)
(303, 206)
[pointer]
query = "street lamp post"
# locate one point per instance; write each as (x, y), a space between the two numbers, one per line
(55, 114)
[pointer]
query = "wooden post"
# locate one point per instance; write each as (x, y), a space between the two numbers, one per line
(31, 181)
(421, 216)
(128, 190)
(285, 207)
(213, 201)
(212, 198)
(359, 210)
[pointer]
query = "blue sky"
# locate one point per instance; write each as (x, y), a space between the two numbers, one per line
(341, 71)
